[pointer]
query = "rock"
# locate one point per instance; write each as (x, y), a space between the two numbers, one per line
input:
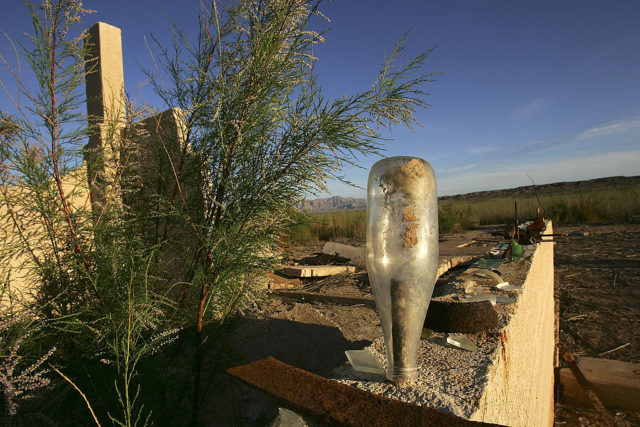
(356, 255)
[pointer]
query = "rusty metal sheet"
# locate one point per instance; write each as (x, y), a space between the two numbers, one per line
(335, 403)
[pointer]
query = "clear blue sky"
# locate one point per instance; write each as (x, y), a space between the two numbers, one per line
(542, 89)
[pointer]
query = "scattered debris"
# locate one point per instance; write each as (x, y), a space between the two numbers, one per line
(614, 349)
(317, 270)
(461, 341)
(335, 299)
(364, 361)
(355, 255)
(578, 317)
(276, 281)
(442, 316)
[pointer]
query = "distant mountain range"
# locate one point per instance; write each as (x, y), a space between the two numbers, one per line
(339, 203)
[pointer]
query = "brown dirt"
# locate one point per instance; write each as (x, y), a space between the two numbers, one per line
(597, 272)
(597, 278)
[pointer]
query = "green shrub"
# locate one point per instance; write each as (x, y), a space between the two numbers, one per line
(454, 217)
(314, 228)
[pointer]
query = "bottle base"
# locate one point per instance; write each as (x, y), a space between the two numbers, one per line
(402, 377)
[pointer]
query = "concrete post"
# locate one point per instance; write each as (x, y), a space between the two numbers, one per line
(106, 110)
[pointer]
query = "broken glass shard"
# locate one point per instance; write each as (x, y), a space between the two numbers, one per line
(461, 341)
(505, 286)
(426, 333)
(492, 298)
(479, 298)
(481, 272)
(287, 418)
(364, 361)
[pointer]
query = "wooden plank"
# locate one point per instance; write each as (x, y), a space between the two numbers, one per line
(588, 390)
(335, 403)
(450, 254)
(317, 270)
(334, 299)
(455, 248)
(447, 263)
(616, 383)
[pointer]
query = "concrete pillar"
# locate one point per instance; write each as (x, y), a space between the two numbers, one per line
(106, 110)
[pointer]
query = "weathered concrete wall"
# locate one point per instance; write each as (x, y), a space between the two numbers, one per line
(75, 187)
(519, 390)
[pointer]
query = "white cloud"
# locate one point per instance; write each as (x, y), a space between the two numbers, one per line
(610, 128)
(482, 150)
(458, 168)
(530, 109)
(607, 136)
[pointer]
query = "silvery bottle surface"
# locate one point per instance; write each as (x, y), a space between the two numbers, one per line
(402, 255)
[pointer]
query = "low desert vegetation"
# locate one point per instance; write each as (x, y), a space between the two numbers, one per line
(613, 204)
(604, 205)
(335, 226)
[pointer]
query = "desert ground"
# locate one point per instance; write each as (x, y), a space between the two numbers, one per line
(597, 279)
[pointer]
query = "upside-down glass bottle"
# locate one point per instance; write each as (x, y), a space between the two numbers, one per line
(402, 255)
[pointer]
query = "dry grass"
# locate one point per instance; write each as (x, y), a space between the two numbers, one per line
(613, 204)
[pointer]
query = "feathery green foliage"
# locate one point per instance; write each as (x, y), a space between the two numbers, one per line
(264, 136)
(259, 136)
(262, 131)
(90, 285)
